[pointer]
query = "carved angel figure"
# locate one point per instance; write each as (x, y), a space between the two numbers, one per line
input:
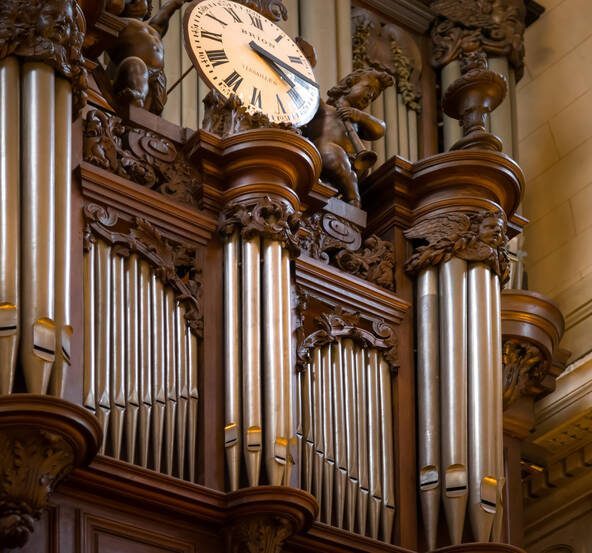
(474, 237)
(138, 53)
(340, 123)
(525, 367)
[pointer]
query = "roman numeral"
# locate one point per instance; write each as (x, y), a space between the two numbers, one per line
(234, 80)
(295, 59)
(217, 57)
(232, 13)
(256, 98)
(296, 98)
(212, 36)
(278, 38)
(280, 106)
(223, 23)
(256, 21)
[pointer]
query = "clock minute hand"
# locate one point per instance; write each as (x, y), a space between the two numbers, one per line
(279, 71)
(263, 52)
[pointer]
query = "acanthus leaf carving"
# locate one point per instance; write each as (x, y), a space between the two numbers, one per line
(524, 369)
(32, 462)
(337, 324)
(479, 236)
(140, 156)
(48, 31)
(494, 26)
(386, 47)
(174, 264)
(260, 534)
(336, 241)
(266, 217)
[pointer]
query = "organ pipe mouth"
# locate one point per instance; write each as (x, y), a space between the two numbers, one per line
(429, 478)
(8, 319)
(456, 480)
(489, 492)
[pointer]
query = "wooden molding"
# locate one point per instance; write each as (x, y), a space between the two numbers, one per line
(415, 15)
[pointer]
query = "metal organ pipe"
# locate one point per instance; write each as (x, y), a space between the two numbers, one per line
(9, 219)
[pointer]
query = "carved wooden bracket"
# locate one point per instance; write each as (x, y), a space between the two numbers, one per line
(494, 26)
(479, 236)
(174, 264)
(140, 156)
(339, 324)
(261, 518)
(332, 239)
(49, 31)
(42, 439)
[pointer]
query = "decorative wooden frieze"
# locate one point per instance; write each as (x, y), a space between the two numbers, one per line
(493, 26)
(338, 324)
(175, 264)
(50, 32)
(267, 217)
(42, 439)
(141, 156)
(388, 48)
(525, 369)
(334, 240)
(479, 236)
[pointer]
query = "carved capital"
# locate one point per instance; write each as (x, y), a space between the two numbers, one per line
(48, 31)
(267, 217)
(340, 324)
(334, 240)
(525, 368)
(174, 263)
(42, 439)
(479, 236)
(494, 26)
(386, 47)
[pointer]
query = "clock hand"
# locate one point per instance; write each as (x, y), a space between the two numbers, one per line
(279, 71)
(263, 52)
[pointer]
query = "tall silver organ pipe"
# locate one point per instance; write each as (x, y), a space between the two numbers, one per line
(9, 219)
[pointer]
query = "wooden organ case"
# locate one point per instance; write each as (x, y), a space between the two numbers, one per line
(204, 347)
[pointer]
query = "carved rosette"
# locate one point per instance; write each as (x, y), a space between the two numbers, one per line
(48, 31)
(494, 26)
(525, 368)
(479, 237)
(333, 240)
(266, 217)
(175, 264)
(42, 439)
(140, 156)
(386, 47)
(339, 324)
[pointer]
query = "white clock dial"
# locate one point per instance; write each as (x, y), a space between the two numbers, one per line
(238, 51)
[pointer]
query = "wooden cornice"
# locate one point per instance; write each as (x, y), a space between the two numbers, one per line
(417, 16)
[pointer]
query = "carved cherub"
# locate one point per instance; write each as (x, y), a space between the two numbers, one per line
(474, 237)
(340, 123)
(138, 53)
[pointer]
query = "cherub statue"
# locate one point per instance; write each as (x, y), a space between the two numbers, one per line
(138, 54)
(475, 237)
(340, 125)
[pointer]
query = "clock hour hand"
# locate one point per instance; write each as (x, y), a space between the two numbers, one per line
(279, 71)
(277, 61)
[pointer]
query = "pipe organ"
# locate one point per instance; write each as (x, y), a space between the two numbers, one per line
(250, 361)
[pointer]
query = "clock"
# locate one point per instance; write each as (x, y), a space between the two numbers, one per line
(238, 51)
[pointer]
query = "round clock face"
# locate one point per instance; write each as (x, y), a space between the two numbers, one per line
(238, 51)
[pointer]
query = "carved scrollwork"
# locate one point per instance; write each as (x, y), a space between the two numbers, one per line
(140, 156)
(266, 217)
(494, 26)
(260, 534)
(386, 47)
(227, 116)
(479, 236)
(33, 462)
(339, 324)
(49, 31)
(525, 368)
(334, 240)
(174, 264)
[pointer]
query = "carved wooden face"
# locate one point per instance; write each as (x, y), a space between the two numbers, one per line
(237, 51)
(56, 21)
(491, 231)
